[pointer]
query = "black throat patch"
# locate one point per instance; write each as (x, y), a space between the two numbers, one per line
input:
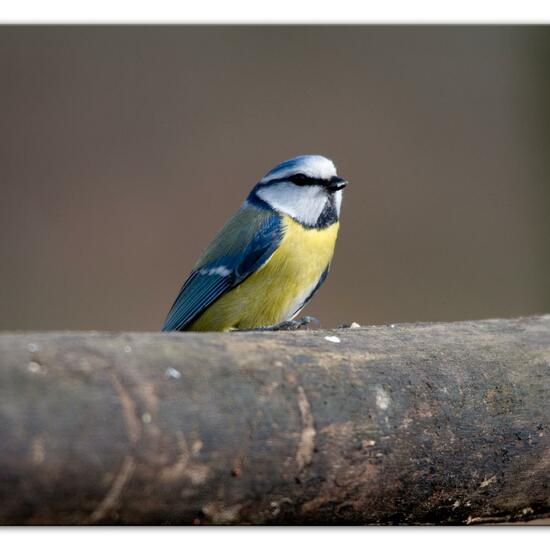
(328, 216)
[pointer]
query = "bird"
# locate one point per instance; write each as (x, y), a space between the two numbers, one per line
(270, 258)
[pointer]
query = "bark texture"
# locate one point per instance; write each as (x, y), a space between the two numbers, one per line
(445, 423)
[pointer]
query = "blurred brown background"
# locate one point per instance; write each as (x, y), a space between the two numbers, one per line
(124, 149)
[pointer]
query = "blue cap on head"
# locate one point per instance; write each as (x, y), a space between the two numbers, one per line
(313, 166)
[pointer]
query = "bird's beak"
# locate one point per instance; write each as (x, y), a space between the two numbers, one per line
(335, 184)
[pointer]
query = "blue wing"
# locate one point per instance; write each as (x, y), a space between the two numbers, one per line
(228, 261)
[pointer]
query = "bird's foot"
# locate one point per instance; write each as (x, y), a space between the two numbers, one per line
(297, 324)
(289, 325)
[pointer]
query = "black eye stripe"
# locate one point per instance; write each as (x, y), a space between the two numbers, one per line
(302, 179)
(298, 179)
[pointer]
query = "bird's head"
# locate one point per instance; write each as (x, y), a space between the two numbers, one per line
(305, 188)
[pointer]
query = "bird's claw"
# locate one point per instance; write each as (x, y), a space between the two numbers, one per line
(290, 325)
(307, 321)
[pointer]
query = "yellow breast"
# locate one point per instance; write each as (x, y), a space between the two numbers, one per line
(275, 291)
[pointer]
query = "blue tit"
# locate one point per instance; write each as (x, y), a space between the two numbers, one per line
(270, 258)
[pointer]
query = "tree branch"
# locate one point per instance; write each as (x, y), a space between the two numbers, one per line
(445, 423)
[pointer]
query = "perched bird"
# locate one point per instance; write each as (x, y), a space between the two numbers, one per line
(270, 258)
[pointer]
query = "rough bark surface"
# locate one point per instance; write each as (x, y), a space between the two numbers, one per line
(444, 423)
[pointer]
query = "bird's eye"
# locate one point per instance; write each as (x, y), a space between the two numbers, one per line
(299, 179)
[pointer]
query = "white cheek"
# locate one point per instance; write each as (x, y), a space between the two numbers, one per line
(304, 204)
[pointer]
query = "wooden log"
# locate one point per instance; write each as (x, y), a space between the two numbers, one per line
(445, 423)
